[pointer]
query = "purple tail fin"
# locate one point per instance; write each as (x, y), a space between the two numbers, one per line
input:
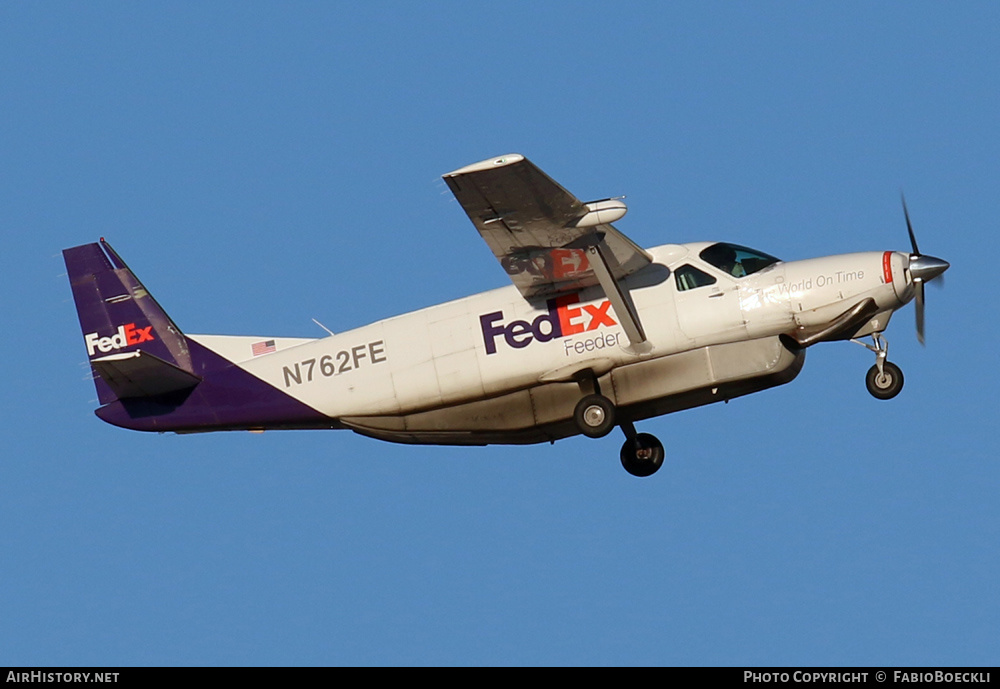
(149, 376)
(133, 346)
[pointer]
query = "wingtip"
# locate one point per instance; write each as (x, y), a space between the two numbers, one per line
(488, 164)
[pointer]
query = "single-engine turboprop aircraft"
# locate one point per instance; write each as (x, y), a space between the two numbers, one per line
(595, 332)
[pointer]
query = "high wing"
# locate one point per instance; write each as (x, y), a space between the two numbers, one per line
(543, 236)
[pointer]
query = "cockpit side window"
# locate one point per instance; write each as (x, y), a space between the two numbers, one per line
(689, 277)
(736, 260)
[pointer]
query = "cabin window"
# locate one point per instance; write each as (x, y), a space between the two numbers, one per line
(736, 260)
(689, 277)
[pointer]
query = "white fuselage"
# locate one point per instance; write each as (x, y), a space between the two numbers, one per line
(496, 342)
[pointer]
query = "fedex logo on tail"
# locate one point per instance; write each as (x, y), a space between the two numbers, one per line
(126, 336)
(561, 320)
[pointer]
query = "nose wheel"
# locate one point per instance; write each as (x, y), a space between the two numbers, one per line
(884, 379)
(884, 384)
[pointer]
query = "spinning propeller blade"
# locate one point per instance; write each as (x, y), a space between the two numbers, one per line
(909, 226)
(922, 269)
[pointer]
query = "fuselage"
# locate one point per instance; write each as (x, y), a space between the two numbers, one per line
(496, 342)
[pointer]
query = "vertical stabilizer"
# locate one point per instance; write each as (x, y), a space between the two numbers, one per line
(119, 318)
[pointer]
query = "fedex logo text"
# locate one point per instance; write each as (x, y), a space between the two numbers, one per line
(126, 336)
(560, 320)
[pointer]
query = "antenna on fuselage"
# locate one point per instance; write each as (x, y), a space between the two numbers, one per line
(323, 326)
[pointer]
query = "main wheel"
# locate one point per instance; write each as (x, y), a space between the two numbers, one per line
(642, 455)
(886, 385)
(595, 416)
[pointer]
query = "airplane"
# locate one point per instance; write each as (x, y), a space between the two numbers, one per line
(593, 333)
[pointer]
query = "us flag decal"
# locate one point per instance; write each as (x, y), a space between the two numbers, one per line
(259, 348)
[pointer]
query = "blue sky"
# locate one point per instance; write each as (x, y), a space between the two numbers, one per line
(259, 165)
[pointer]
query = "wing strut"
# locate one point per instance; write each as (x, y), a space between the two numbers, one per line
(604, 264)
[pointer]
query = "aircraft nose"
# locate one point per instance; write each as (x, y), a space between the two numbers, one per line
(926, 268)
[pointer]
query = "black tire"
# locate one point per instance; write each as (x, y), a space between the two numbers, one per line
(887, 385)
(642, 455)
(594, 416)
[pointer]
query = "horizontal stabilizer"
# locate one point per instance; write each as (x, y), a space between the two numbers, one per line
(140, 374)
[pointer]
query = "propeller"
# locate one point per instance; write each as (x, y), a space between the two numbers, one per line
(923, 269)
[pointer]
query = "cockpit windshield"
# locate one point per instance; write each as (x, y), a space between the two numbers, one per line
(736, 260)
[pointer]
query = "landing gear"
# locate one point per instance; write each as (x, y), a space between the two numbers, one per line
(642, 453)
(884, 379)
(595, 416)
(884, 384)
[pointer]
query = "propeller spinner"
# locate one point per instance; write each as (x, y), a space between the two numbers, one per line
(922, 269)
